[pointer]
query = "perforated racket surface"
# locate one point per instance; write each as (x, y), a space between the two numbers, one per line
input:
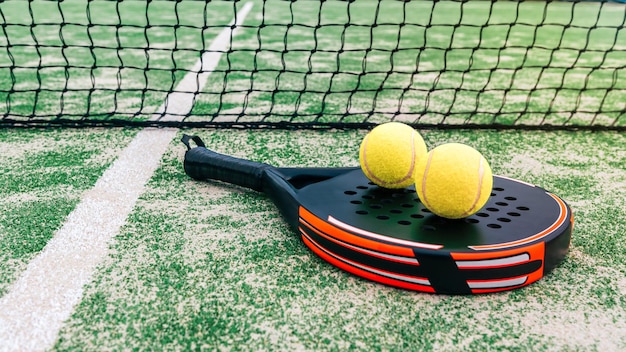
(388, 236)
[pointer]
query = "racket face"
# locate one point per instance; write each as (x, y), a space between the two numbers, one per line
(388, 236)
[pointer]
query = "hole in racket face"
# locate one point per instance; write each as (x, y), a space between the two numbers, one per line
(403, 207)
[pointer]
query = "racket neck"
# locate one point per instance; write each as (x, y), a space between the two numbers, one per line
(283, 195)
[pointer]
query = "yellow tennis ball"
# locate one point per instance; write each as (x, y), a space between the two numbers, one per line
(453, 181)
(389, 153)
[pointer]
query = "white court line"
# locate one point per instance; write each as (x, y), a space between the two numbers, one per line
(33, 311)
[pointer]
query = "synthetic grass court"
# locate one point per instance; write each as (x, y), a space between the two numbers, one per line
(44, 174)
(208, 266)
(212, 266)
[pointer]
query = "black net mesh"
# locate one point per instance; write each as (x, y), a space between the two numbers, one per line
(313, 64)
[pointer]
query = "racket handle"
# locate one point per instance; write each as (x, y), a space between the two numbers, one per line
(204, 164)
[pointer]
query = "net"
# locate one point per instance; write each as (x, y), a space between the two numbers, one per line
(315, 64)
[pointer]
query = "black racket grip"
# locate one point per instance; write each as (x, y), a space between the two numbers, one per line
(204, 164)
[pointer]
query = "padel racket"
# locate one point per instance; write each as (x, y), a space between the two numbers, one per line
(389, 237)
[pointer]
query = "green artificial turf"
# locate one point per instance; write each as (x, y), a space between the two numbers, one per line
(43, 175)
(211, 266)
